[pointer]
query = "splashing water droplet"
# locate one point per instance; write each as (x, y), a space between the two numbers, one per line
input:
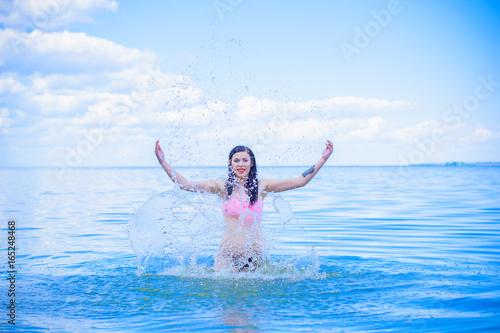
(170, 230)
(174, 234)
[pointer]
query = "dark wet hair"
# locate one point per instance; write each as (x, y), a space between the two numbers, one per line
(252, 183)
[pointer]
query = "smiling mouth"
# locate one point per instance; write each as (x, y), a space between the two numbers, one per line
(241, 170)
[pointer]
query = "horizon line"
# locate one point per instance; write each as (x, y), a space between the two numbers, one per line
(451, 164)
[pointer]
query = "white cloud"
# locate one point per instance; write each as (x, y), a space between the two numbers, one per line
(197, 115)
(350, 103)
(258, 122)
(55, 103)
(263, 122)
(66, 52)
(252, 108)
(63, 84)
(50, 14)
(10, 119)
(67, 100)
(70, 84)
(4, 117)
(10, 84)
(360, 129)
(481, 134)
(411, 133)
(422, 130)
(60, 86)
(308, 129)
(273, 121)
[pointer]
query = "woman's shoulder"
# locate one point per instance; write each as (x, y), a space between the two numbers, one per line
(220, 182)
(221, 185)
(263, 182)
(262, 188)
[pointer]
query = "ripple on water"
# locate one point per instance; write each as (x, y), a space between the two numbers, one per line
(420, 255)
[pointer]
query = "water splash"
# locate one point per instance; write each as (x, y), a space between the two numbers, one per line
(169, 230)
(174, 234)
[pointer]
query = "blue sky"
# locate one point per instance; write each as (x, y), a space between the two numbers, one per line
(96, 82)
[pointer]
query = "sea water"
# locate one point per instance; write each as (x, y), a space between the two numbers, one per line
(357, 249)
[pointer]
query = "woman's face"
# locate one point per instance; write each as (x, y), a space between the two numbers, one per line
(241, 163)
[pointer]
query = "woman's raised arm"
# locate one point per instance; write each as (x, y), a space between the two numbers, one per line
(214, 186)
(280, 185)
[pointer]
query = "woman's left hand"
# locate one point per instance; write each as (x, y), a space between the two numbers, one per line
(328, 150)
(159, 153)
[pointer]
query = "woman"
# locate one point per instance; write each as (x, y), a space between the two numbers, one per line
(242, 244)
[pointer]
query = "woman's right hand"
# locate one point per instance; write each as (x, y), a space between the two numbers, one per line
(159, 153)
(328, 150)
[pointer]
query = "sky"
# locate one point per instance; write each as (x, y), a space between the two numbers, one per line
(96, 82)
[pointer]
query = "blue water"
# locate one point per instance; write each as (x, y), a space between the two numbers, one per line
(395, 250)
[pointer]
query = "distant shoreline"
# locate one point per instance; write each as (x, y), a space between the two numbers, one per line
(452, 164)
(447, 164)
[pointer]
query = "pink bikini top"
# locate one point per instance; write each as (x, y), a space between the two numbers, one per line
(239, 208)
